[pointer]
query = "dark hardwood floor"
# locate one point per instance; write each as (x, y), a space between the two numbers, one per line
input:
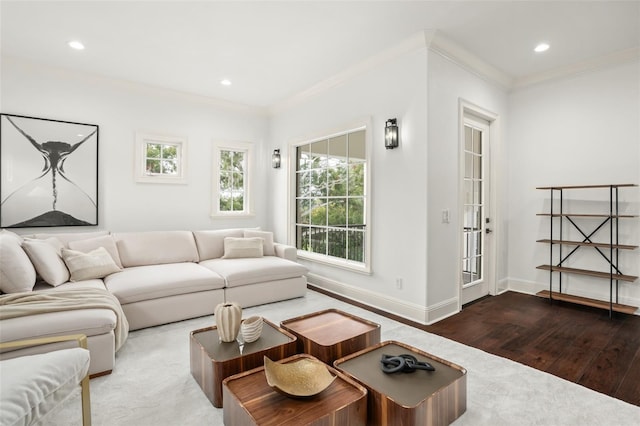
(574, 342)
(577, 343)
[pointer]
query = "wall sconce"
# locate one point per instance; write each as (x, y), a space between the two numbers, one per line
(275, 159)
(391, 134)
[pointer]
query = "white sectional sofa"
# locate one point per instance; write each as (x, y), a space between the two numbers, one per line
(153, 277)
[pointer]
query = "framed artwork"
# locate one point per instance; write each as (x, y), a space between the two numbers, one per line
(48, 172)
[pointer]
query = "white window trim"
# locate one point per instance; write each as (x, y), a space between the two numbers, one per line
(248, 149)
(363, 268)
(141, 175)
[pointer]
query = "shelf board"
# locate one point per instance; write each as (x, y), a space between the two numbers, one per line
(597, 274)
(616, 185)
(587, 215)
(616, 307)
(586, 244)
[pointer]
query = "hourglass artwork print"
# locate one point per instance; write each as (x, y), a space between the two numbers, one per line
(48, 172)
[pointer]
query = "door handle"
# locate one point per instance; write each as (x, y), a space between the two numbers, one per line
(488, 230)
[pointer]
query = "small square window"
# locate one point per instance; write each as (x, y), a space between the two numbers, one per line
(160, 159)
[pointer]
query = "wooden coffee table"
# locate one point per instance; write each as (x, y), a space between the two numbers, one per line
(212, 361)
(249, 400)
(332, 334)
(419, 398)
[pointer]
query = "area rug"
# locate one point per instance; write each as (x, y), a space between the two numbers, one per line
(152, 384)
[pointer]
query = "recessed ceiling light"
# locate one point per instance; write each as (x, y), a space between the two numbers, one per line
(542, 47)
(225, 82)
(75, 44)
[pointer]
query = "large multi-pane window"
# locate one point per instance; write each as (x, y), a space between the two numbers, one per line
(331, 177)
(231, 181)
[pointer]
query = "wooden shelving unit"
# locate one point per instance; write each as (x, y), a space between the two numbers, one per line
(608, 249)
(594, 303)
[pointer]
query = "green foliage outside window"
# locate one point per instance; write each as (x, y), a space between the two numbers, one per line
(161, 159)
(232, 177)
(330, 196)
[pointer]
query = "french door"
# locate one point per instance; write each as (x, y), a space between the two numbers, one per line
(476, 269)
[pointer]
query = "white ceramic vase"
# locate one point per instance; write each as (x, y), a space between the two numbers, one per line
(228, 319)
(251, 329)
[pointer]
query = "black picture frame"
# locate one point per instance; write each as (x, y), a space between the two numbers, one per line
(48, 172)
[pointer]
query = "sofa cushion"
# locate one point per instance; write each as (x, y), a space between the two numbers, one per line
(95, 283)
(267, 240)
(17, 273)
(32, 386)
(45, 256)
(156, 247)
(237, 272)
(97, 263)
(211, 243)
(90, 322)
(155, 281)
(66, 237)
(235, 248)
(90, 244)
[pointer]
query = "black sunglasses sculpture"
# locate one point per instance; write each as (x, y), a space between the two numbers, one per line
(405, 363)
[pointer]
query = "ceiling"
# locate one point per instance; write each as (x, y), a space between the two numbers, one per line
(273, 50)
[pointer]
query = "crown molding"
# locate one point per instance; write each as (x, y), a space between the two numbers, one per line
(616, 58)
(461, 56)
(418, 41)
(426, 39)
(435, 41)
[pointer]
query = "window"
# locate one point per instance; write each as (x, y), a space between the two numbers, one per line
(331, 200)
(160, 159)
(231, 180)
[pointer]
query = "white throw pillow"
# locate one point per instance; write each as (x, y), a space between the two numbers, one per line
(235, 248)
(211, 242)
(90, 244)
(97, 263)
(267, 237)
(17, 273)
(45, 255)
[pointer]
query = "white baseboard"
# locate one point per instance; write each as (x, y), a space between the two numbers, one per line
(401, 308)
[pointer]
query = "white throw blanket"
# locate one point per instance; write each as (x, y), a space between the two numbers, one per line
(40, 302)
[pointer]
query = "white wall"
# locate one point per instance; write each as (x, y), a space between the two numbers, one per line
(395, 89)
(121, 109)
(410, 185)
(576, 131)
(448, 84)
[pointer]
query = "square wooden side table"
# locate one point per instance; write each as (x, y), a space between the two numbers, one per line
(332, 334)
(419, 398)
(249, 400)
(212, 360)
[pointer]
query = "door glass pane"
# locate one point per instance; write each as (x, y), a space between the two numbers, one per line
(468, 139)
(477, 167)
(468, 165)
(477, 141)
(473, 219)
